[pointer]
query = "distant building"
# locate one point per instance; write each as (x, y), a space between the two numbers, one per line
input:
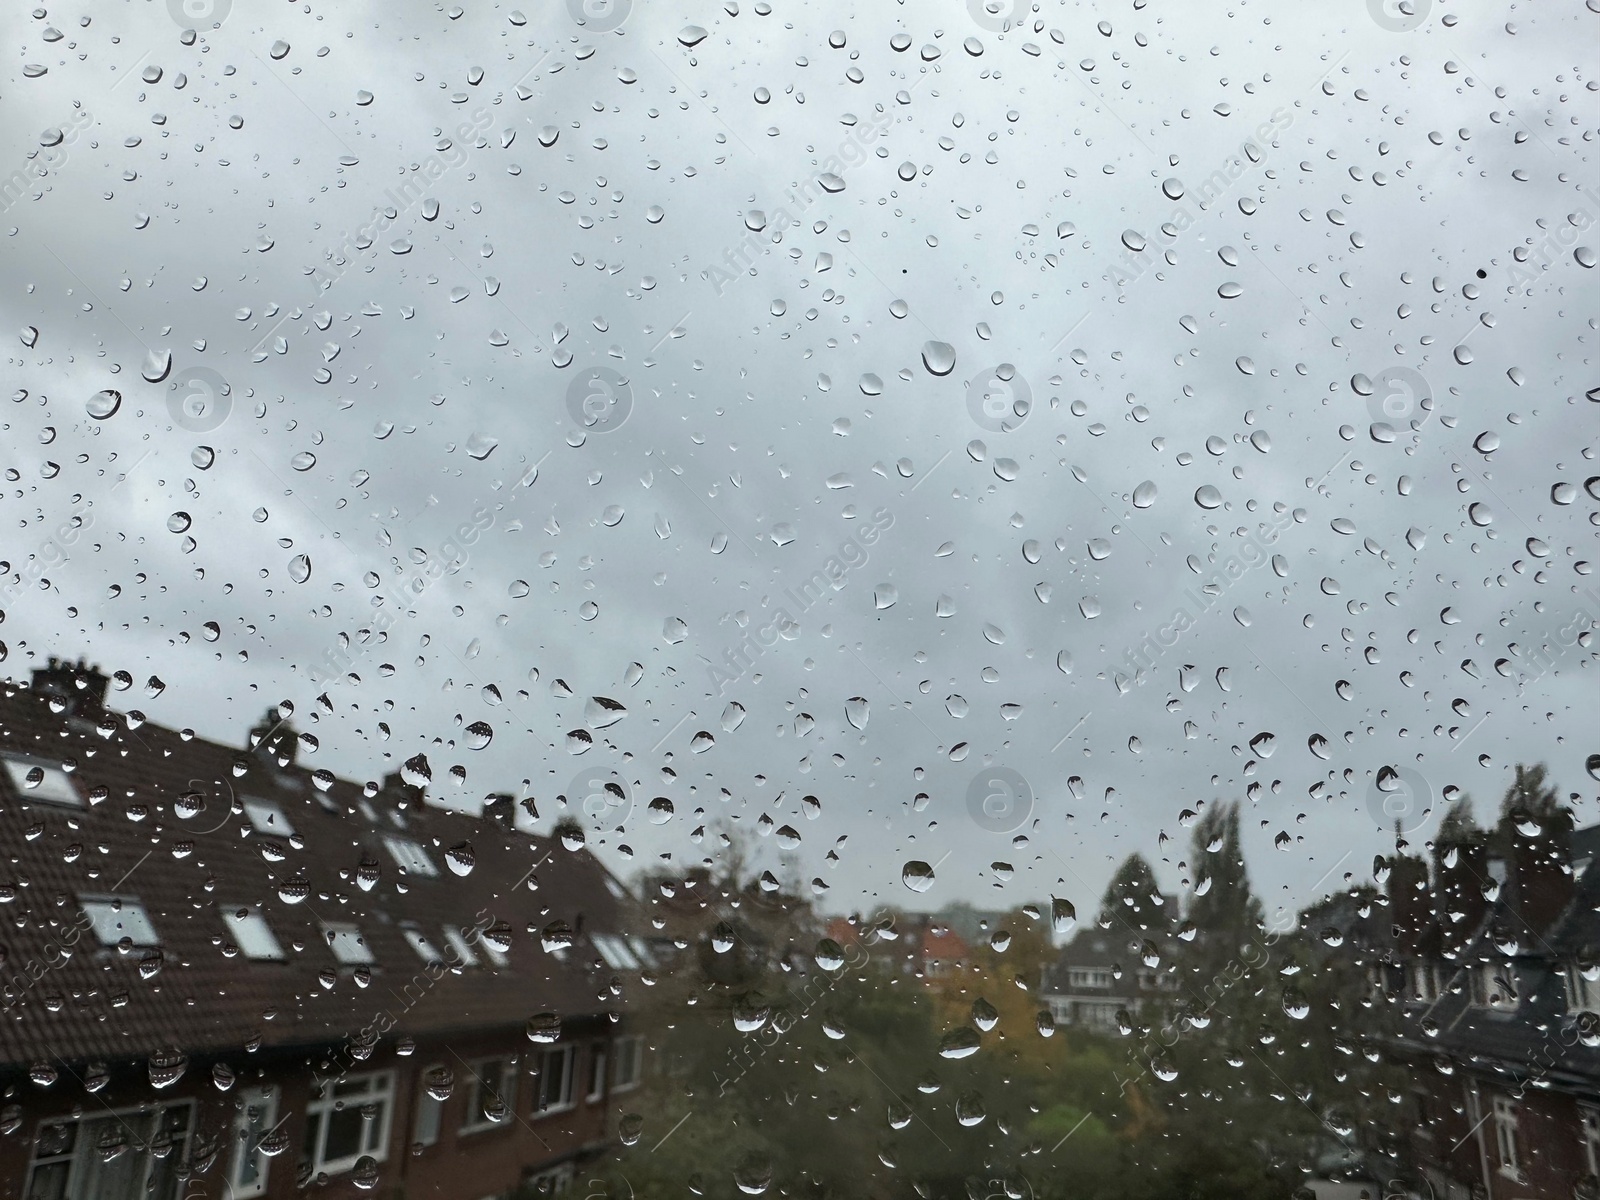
(225, 974)
(1106, 969)
(1496, 972)
(917, 944)
(1099, 974)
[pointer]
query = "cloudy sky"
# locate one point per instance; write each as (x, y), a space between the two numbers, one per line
(494, 363)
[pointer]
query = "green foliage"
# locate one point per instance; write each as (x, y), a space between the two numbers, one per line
(833, 1084)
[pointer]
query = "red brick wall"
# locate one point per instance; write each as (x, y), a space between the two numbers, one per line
(458, 1166)
(1550, 1142)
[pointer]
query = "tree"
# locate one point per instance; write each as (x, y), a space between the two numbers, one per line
(1223, 909)
(1458, 828)
(1133, 898)
(1531, 798)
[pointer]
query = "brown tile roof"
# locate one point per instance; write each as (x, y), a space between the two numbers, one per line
(65, 996)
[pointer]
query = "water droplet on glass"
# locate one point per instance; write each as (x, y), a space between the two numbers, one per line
(939, 357)
(917, 875)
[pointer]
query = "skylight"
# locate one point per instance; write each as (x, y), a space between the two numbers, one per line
(41, 781)
(251, 933)
(348, 946)
(267, 817)
(116, 917)
(410, 857)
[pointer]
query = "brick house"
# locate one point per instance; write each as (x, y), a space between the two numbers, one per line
(226, 974)
(1496, 979)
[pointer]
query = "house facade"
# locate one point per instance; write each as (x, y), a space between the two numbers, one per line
(227, 974)
(1496, 978)
(1098, 975)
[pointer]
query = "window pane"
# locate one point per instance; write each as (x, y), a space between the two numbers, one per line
(997, 599)
(347, 1133)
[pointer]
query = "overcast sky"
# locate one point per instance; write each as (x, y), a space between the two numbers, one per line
(1201, 333)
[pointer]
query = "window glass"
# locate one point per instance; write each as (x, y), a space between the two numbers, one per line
(114, 918)
(348, 1122)
(935, 599)
(419, 942)
(410, 857)
(44, 781)
(250, 931)
(555, 1080)
(434, 1086)
(267, 817)
(348, 945)
(250, 1165)
(630, 1061)
(491, 1093)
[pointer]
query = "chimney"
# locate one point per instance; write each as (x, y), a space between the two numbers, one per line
(274, 738)
(1461, 872)
(82, 688)
(1410, 904)
(1541, 880)
(501, 807)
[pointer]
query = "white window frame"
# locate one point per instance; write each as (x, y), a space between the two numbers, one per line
(1591, 1137)
(56, 788)
(267, 817)
(558, 1177)
(428, 1119)
(1505, 1137)
(247, 1137)
(347, 934)
(106, 912)
(255, 922)
(378, 1089)
(569, 1089)
(82, 1150)
(411, 857)
(480, 1080)
(621, 1082)
(599, 1064)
